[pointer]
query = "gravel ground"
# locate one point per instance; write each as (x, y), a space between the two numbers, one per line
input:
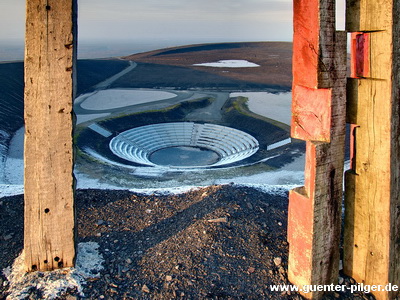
(219, 242)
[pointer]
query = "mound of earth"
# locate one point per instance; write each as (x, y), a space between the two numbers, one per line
(174, 67)
(219, 242)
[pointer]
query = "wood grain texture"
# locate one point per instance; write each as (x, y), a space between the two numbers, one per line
(49, 90)
(372, 201)
(394, 254)
(311, 114)
(367, 15)
(306, 42)
(319, 104)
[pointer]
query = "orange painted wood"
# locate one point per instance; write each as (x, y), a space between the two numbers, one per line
(49, 226)
(306, 42)
(318, 116)
(311, 114)
(313, 53)
(300, 234)
(301, 224)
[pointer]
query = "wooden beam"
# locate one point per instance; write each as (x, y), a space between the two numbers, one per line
(318, 116)
(50, 55)
(372, 200)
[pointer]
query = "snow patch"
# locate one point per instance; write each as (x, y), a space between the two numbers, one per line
(7, 190)
(118, 98)
(273, 106)
(278, 190)
(85, 182)
(13, 173)
(100, 130)
(167, 191)
(231, 63)
(279, 144)
(267, 181)
(89, 261)
(53, 284)
(4, 137)
(273, 189)
(84, 118)
(11, 162)
(347, 165)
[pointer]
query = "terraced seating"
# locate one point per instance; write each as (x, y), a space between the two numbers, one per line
(139, 143)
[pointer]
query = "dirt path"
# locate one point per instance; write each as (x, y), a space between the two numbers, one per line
(106, 83)
(212, 112)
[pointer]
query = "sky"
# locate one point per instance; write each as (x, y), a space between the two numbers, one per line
(169, 22)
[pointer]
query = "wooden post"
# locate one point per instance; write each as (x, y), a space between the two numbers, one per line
(372, 200)
(318, 117)
(49, 91)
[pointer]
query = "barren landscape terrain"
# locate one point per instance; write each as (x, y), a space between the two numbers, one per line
(217, 242)
(175, 67)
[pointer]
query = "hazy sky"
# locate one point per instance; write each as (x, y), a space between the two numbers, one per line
(185, 19)
(126, 19)
(161, 20)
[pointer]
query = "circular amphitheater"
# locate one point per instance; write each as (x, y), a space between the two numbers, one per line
(183, 145)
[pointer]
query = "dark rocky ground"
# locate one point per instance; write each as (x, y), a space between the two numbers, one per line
(220, 242)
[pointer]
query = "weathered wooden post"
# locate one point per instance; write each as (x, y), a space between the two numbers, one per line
(318, 117)
(50, 54)
(372, 201)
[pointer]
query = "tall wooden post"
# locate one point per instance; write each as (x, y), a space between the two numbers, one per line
(49, 91)
(372, 202)
(318, 117)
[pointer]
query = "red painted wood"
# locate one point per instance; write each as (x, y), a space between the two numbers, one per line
(311, 114)
(318, 117)
(310, 168)
(300, 233)
(305, 42)
(359, 54)
(301, 222)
